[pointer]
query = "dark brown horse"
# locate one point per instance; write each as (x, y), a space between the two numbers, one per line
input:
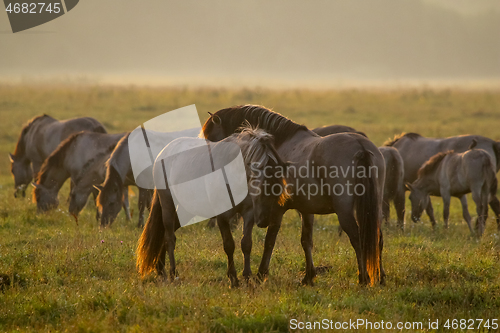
(68, 161)
(456, 174)
(318, 157)
(118, 177)
(38, 139)
(416, 150)
(158, 237)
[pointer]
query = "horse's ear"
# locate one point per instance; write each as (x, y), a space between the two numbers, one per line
(408, 186)
(11, 158)
(35, 185)
(216, 119)
(473, 144)
(98, 187)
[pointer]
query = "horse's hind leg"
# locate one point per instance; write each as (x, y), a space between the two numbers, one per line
(495, 206)
(465, 212)
(382, 270)
(386, 210)
(160, 264)
(446, 206)
(126, 203)
(228, 241)
(350, 226)
(306, 240)
(171, 222)
(246, 243)
(142, 203)
(399, 203)
(478, 199)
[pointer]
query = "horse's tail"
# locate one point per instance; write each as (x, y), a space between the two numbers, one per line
(496, 149)
(368, 215)
(152, 239)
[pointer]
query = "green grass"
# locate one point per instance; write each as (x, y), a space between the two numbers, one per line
(83, 279)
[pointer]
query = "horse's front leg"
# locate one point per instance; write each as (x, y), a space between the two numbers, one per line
(430, 211)
(125, 203)
(306, 240)
(272, 233)
(465, 213)
(228, 242)
(246, 242)
(95, 193)
(495, 206)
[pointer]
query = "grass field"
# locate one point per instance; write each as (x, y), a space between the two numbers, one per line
(72, 278)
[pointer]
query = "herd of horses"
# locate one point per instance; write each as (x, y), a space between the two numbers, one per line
(49, 152)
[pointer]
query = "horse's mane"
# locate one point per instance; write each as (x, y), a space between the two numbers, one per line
(56, 158)
(112, 174)
(259, 149)
(397, 137)
(110, 163)
(258, 116)
(432, 163)
(21, 145)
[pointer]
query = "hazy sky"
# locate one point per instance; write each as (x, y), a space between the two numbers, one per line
(261, 41)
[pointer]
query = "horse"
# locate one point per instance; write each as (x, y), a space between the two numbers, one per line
(118, 176)
(449, 174)
(334, 129)
(38, 139)
(158, 236)
(92, 174)
(416, 150)
(67, 161)
(305, 149)
(394, 177)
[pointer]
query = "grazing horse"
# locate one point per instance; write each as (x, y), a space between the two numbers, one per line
(158, 237)
(456, 174)
(394, 174)
(92, 174)
(67, 161)
(416, 150)
(319, 158)
(118, 177)
(38, 139)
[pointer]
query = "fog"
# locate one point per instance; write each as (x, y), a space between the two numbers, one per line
(268, 43)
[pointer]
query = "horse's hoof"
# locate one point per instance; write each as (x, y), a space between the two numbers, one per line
(307, 281)
(261, 278)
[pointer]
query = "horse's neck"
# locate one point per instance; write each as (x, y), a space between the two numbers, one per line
(120, 161)
(56, 177)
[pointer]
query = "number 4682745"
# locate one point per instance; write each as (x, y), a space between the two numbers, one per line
(33, 8)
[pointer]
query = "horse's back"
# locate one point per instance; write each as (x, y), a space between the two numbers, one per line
(48, 135)
(334, 129)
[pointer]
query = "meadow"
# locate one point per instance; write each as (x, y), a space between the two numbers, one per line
(69, 278)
